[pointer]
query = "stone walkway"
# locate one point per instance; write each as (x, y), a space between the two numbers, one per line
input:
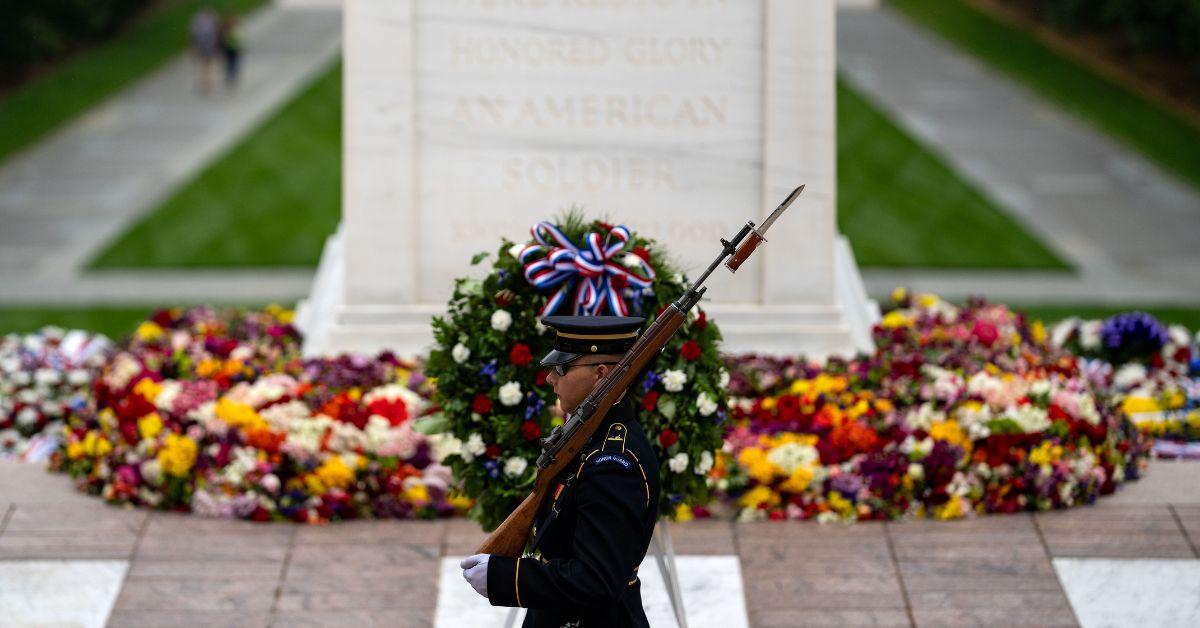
(191, 571)
(65, 198)
(1130, 228)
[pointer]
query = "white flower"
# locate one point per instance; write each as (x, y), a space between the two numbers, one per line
(705, 464)
(152, 472)
(501, 320)
(27, 416)
(541, 329)
(270, 482)
(673, 380)
(631, 261)
(705, 404)
(515, 250)
(678, 462)
(1031, 418)
(1089, 335)
(47, 376)
(1179, 334)
(723, 379)
(510, 394)
(1062, 331)
(791, 456)
(78, 377)
(473, 447)
(460, 353)
(1129, 376)
(916, 471)
(515, 466)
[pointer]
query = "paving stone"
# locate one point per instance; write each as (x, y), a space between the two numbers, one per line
(916, 583)
(462, 537)
(407, 618)
(197, 619)
(993, 617)
(376, 555)
(24, 545)
(406, 595)
(207, 569)
(1189, 518)
(170, 594)
(988, 566)
(939, 550)
(1053, 599)
(54, 518)
(214, 548)
(780, 618)
(373, 532)
(703, 537)
(1167, 545)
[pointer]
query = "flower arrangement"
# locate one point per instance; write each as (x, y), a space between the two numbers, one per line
(215, 413)
(44, 376)
(494, 396)
(958, 411)
(1153, 371)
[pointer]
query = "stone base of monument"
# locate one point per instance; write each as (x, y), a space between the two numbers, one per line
(332, 326)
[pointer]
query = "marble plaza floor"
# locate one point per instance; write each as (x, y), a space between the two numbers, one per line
(68, 559)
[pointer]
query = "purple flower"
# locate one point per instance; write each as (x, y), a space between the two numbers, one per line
(1132, 336)
(489, 371)
(650, 380)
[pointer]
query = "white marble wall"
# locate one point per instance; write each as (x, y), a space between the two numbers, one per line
(467, 120)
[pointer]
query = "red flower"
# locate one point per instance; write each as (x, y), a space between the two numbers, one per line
(690, 350)
(540, 378)
(701, 321)
(482, 404)
(642, 253)
(650, 401)
(667, 438)
(620, 282)
(776, 515)
(520, 354)
(985, 332)
(530, 430)
(493, 451)
(260, 514)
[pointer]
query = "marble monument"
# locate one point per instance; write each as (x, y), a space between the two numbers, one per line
(468, 120)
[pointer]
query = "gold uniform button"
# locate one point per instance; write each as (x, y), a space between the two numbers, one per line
(594, 348)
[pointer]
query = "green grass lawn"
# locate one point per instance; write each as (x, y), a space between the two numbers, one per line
(83, 81)
(274, 198)
(113, 322)
(1187, 316)
(271, 201)
(900, 206)
(1127, 116)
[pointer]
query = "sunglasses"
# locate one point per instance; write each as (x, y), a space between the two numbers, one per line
(561, 369)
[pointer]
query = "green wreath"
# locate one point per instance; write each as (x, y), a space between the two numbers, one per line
(494, 396)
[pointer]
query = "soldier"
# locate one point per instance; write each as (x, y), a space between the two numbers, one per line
(592, 532)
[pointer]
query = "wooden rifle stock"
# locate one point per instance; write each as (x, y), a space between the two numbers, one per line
(511, 536)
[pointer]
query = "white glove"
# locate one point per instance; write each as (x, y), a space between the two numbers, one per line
(475, 571)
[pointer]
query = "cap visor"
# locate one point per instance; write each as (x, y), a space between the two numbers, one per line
(559, 357)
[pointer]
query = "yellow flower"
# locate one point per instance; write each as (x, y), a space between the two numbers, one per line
(927, 300)
(1038, 329)
(177, 455)
(1044, 454)
(95, 445)
(75, 450)
(1136, 404)
(240, 415)
(895, 319)
(949, 510)
(800, 387)
(948, 431)
(798, 481)
(838, 503)
(334, 473)
(417, 494)
(148, 388)
(148, 331)
(282, 314)
(1174, 399)
(757, 496)
(459, 501)
(107, 418)
(683, 512)
(150, 425)
(768, 403)
(208, 367)
(899, 294)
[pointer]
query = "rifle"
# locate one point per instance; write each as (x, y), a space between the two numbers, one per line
(564, 442)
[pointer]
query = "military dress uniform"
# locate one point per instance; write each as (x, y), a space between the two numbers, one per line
(593, 530)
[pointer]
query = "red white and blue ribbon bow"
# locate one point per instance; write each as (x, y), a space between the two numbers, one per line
(587, 275)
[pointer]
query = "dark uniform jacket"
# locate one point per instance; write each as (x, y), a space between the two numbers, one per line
(592, 533)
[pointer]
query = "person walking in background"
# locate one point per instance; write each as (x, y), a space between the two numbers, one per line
(231, 48)
(205, 31)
